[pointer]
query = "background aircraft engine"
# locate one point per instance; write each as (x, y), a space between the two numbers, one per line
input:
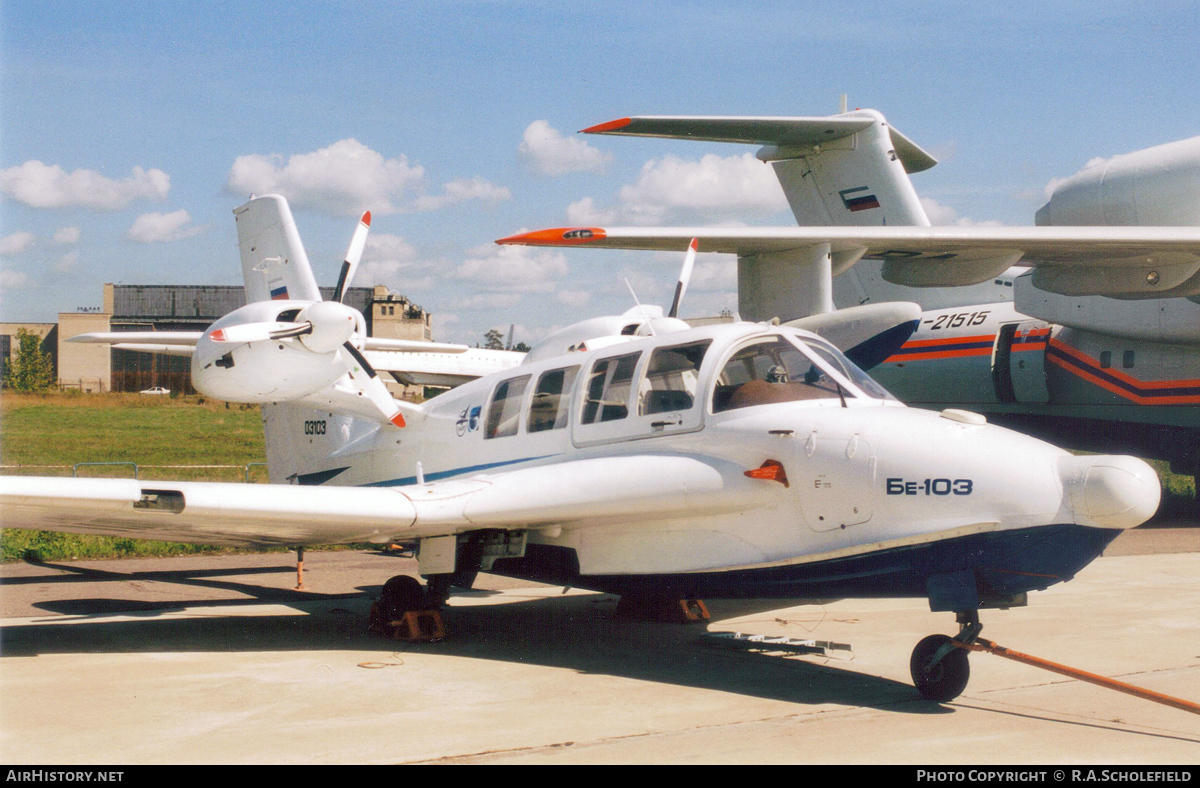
(1153, 187)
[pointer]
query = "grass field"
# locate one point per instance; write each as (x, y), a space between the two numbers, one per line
(60, 430)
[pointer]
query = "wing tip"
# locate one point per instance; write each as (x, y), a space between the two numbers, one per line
(556, 236)
(612, 125)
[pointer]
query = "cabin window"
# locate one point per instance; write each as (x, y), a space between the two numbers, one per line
(608, 389)
(1127, 359)
(770, 371)
(504, 414)
(670, 382)
(548, 408)
(1105, 359)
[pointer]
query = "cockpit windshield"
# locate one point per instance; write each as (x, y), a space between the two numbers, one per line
(836, 359)
(772, 369)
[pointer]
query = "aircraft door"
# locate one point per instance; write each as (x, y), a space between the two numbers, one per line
(836, 479)
(628, 397)
(1019, 362)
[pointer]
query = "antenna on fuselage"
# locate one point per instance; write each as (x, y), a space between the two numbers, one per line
(645, 316)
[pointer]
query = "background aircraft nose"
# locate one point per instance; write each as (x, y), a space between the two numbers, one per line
(1109, 491)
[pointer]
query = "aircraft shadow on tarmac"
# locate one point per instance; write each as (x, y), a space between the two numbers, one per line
(575, 632)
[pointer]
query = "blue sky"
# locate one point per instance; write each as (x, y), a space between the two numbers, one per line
(129, 131)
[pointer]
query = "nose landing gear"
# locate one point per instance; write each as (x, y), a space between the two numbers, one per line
(939, 668)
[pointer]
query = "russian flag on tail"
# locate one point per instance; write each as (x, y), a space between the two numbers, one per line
(859, 199)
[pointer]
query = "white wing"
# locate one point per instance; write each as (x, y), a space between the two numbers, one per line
(574, 494)
(1128, 261)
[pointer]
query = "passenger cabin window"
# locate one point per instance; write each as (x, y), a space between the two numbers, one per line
(548, 408)
(769, 371)
(670, 382)
(504, 414)
(608, 389)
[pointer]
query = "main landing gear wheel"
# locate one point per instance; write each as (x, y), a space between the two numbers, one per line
(939, 679)
(400, 595)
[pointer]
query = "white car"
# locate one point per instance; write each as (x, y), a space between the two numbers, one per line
(156, 390)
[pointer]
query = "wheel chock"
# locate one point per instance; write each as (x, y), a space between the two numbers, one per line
(666, 611)
(415, 626)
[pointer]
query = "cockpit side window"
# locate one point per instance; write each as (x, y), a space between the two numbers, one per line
(504, 414)
(768, 371)
(549, 407)
(670, 382)
(609, 388)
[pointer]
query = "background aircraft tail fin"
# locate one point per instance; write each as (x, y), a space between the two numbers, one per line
(849, 169)
(274, 264)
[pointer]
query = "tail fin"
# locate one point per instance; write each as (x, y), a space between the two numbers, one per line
(274, 264)
(849, 169)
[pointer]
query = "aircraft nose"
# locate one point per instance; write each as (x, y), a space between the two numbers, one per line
(1110, 491)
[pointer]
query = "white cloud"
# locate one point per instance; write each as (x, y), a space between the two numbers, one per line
(513, 269)
(585, 212)
(384, 258)
(67, 263)
(670, 188)
(574, 298)
(461, 190)
(42, 186)
(545, 151)
(944, 215)
(16, 243)
(13, 280)
(152, 228)
(488, 301)
(67, 236)
(345, 178)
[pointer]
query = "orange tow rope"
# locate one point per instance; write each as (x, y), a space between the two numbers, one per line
(988, 646)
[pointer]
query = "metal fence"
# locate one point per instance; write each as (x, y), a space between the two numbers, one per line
(250, 473)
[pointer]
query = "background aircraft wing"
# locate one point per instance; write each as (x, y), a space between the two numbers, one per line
(578, 493)
(1149, 262)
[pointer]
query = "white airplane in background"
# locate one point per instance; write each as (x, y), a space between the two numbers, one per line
(1100, 358)
(632, 455)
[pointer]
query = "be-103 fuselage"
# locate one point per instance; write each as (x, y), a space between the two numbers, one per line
(750, 460)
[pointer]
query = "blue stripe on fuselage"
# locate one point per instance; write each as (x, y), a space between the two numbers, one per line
(433, 477)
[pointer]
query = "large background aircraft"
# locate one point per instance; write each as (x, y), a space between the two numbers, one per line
(1105, 359)
(633, 455)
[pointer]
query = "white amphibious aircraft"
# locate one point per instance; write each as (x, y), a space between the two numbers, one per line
(633, 455)
(1098, 359)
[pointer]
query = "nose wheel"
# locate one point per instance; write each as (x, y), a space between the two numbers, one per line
(939, 668)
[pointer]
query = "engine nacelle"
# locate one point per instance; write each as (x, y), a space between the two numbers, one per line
(1155, 187)
(266, 370)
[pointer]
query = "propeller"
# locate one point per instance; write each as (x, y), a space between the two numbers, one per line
(353, 255)
(684, 276)
(326, 326)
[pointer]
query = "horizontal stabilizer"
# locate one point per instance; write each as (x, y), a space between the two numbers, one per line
(780, 132)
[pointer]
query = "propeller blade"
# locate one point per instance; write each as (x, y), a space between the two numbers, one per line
(684, 276)
(258, 332)
(365, 379)
(353, 255)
